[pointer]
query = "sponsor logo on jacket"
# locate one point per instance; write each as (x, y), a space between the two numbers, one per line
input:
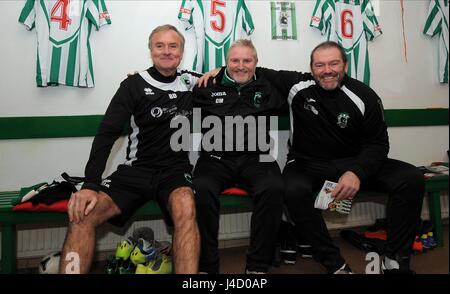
(218, 94)
(149, 91)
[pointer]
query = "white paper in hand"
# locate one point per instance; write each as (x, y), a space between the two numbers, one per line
(325, 201)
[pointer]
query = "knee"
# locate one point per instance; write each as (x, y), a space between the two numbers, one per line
(182, 206)
(413, 181)
(275, 183)
(416, 179)
(99, 216)
(295, 188)
(409, 186)
(276, 188)
(270, 188)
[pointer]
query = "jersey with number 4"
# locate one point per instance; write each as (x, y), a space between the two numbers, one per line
(217, 24)
(63, 28)
(351, 23)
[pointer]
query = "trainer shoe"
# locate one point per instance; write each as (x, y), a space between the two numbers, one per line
(396, 271)
(143, 252)
(162, 265)
(288, 254)
(431, 240)
(112, 265)
(164, 247)
(304, 250)
(428, 240)
(288, 248)
(141, 268)
(126, 267)
(417, 246)
(124, 249)
(145, 233)
(344, 270)
(254, 272)
(393, 266)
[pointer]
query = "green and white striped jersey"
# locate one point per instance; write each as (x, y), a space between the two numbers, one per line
(351, 23)
(217, 24)
(63, 28)
(437, 23)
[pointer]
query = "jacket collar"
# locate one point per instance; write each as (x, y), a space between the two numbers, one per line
(159, 77)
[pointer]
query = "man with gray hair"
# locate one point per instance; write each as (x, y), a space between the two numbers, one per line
(338, 133)
(147, 102)
(239, 95)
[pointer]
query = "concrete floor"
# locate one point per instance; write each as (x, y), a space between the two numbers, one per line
(434, 261)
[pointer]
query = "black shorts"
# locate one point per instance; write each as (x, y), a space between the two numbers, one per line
(131, 187)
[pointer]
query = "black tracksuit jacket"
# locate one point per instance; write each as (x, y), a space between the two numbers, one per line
(345, 126)
(225, 98)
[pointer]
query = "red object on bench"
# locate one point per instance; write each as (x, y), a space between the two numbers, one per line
(58, 206)
(61, 206)
(234, 192)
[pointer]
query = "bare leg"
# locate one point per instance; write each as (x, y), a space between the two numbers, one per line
(79, 245)
(186, 237)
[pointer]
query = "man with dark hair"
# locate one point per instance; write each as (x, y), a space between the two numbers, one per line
(338, 133)
(147, 101)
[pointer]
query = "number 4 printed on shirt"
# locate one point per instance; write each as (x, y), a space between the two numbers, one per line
(61, 7)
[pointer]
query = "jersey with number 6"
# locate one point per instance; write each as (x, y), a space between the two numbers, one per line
(351, 23)
(217, 24)
(63, 28)
(437, 24)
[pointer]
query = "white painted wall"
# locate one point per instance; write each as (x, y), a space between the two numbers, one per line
(122, 48)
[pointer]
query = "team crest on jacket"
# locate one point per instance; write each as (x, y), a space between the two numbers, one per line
(342, 120)
(186, 79)
(106, 183)
(257, 99)
(188, 177)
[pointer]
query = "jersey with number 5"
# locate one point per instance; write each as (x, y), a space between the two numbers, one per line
(217, 24)
(351, 23)
(63, 28)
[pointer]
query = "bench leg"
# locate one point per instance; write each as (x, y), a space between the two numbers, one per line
(8, 262)
(434, 207)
